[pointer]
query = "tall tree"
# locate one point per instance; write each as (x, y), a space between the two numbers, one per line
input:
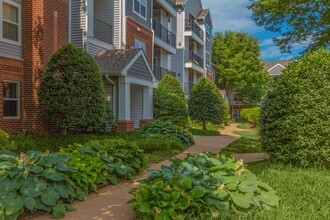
(298, 21)
(238, 65)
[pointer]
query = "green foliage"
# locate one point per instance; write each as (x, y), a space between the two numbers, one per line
(248, 143)
(156, 143)
(168, 130)
(306, 21)
(71, 90)
(169, 100)
(252, 115)
(35, 181)
(181, 121)
(102, 162)
(197, 129)
(206, 103)
(5, 142)
(238, 65)
(202, 184)
(295, 117)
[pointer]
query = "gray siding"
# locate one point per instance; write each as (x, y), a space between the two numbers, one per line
(10, 50)
(94, 49)
(139, 70)
(104, 10)
(130, 13)
(78, 23)
(136, 104)
(208, 43)
(278, 70)
(193, 7)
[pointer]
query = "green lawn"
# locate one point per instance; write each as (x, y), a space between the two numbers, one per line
(248, 143)
(304, 193)
(197, 129)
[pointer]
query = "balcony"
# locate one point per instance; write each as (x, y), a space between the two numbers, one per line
(194, 62)
(167, 5)
(164, 38)
(192, 29)
(160, 72)
(103, 31)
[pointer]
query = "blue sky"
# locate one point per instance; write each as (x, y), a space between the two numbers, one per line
(233, 15)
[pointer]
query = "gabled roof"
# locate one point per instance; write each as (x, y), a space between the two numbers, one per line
(115, 60)
(271, 64)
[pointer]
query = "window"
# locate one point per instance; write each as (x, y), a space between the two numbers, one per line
(10, 21)
(236, 113)
(207, 58)
(208, 31)
(140, 44)
(10, 99)
(140, 7)
(238, 98)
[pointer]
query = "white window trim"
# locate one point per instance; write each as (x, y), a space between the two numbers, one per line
(145, 18)
(18, 100)
(15, 4)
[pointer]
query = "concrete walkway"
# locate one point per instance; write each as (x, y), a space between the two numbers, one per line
(110, 203)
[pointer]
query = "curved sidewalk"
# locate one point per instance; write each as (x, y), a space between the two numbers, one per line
(110, 203)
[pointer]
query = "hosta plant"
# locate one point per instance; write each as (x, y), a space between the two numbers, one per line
(204, 184)
(35, 181)
(102, 162)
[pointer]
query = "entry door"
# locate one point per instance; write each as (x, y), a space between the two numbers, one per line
(136, 104)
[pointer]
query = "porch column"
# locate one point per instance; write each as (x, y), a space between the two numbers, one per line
(124, 99)
(147, 103)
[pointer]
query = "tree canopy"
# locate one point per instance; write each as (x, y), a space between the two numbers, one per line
(238, 65)
(298, 21)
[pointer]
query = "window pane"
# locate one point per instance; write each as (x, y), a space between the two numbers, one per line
(10, 108)
(10, 31)
(10, 90)
(137, 6)
(143, 11)
(10, 13)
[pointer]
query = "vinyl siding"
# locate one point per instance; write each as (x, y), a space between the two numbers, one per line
(78, 23)
(10, 50)
(144, 22)
(94, 49)
(139, 70)
(136, 104)
(118, 23)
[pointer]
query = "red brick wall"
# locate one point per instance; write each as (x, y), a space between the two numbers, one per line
(125, 125)
(44, 29)
(136, 31)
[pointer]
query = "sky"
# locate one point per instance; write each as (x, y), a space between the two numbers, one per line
(233, 15)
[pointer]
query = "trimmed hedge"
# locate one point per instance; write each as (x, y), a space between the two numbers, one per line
(296, 115)
(252, 115)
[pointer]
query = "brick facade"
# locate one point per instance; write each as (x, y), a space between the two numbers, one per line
(125, 125)
(144, 122)
(136, 31)
(41, 36)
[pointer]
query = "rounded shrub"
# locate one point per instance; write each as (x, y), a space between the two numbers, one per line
(252, 115)
(169, 101)
(295, 115)
(206, 103)
(71, 90)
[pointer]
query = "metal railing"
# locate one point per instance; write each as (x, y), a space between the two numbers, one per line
(188, 87)
(103, 31)
(192, 57)
(163, 33)
(160, 72)
(192, 26)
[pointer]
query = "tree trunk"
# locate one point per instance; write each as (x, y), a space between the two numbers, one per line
(204, 125)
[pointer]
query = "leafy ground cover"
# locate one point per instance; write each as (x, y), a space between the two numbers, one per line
(304, 193)
(248, 143)
(197, 129)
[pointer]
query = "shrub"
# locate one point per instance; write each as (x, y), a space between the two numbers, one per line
(71, 90)
(169, 100)
(5, 142)
(252, 115)
(202, 184)
(206, 103)
(35, 181)
(181, 121)
(102, 162)
(168, 130)
(156, 143)
(295, 115)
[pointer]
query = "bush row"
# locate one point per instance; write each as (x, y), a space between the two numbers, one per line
(49, 182)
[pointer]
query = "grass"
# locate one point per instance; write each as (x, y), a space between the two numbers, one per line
(245, 125)
(156, 150)
(304, 193)
(248, 143)
(197, 129)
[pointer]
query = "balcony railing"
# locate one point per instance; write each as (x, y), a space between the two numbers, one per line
(192, 26)
(163, 33)
(160, 72)
(187, 88)
(192, 57)
(103, 31)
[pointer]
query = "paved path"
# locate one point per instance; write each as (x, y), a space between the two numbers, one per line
(110, 202)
